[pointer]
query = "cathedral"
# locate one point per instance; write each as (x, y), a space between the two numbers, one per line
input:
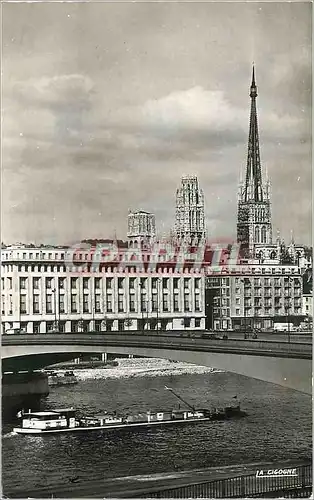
(254, 222)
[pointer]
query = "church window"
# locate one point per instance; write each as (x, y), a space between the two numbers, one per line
(257, 234)
(263, 235)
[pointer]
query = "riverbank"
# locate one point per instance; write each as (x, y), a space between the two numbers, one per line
(138, 367)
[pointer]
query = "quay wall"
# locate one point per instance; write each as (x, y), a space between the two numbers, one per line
(22, 389)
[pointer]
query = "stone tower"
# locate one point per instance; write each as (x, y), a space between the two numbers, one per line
(190, 216)
(254, 225)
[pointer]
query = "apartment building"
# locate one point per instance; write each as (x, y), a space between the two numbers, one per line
(254, 296)
(44, 290)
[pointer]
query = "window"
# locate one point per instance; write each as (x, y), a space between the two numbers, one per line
(10, 283)
(48, 282)
(73, 304)
(85, 303)
(238, 312)
(3, 304)
(197, 303)
(237, 290)
(132, 283)
(36, 309)
(176, 283)
(109, 283)
(61, 326)
(132, 303)
(10, 304)
(36, 282)
(74, 326)
(23, 304)
(154, 283)
(97, 283)
(49, 326)
(85, 283)
(165, 283)
(62, 283)
(197, 322)
(165, 303)
(98, 325)
(186, 283)
(143, 282)
(109, 303)
(186, 303)
(176, 302)
(73, 283)
(143, 304)
(48, 304)
(237, 301)
(61, 304)
(120, 324)
(36, 327)
(23, 283)
(197, 283)
(155, 303)
(97, 303)
(120, 303)
(187, 322)
(120, 283)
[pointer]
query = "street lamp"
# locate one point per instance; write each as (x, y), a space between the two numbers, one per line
(142, 301)
(288, 310)
(243, 280)
(157, 315)
(54, 291)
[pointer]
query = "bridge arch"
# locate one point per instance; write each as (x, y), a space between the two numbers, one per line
(288, 371)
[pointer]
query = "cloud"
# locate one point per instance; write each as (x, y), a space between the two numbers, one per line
(57, 92)
(106, 106)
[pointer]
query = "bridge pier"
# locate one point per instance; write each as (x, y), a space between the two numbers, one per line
(23, 389)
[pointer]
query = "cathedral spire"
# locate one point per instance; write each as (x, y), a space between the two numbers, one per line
(253, 181)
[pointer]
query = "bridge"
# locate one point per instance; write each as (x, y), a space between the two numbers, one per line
(284, 363)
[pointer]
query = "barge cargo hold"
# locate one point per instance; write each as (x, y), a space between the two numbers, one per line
(64, 420)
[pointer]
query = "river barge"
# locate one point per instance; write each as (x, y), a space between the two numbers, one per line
(65, 420)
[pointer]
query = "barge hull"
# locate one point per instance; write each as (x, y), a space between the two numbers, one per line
(19, 430)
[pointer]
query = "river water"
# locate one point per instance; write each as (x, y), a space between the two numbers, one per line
(278, 427)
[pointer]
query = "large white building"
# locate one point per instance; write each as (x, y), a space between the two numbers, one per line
(47, 289)
(256, 296)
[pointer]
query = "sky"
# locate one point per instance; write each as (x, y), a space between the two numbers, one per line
(107, 105)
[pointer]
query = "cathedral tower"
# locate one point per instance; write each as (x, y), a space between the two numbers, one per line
(254, 225)
(190, 216)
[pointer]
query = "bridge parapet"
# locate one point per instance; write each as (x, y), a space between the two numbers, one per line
(165, 340)
(294, 482)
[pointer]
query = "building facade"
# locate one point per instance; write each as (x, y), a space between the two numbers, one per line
(254, 297)
(190, 211)
(47, 290)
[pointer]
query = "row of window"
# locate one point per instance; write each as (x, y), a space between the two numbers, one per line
(34, 255)
(156, 283)
(106, 325)
(156, 305)
(268, 310)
